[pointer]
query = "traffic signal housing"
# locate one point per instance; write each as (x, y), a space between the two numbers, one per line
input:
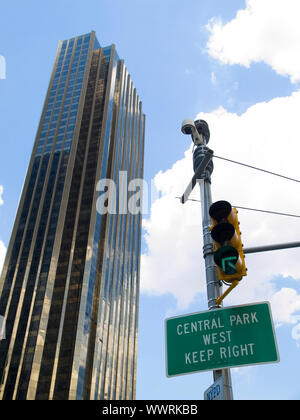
(228, 248)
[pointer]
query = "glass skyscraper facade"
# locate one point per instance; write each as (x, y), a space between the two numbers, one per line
(70, 282)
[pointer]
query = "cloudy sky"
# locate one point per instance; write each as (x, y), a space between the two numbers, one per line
(264, 134)
(234, 64)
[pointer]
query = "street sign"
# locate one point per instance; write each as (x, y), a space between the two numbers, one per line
(200, 169)
(215, 391)
(221, 338)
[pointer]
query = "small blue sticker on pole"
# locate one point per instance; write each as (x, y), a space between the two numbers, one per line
(215, 391)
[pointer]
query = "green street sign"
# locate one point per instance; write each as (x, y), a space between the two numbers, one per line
(221, 338)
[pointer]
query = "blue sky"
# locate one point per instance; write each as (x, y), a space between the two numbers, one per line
(235, 64)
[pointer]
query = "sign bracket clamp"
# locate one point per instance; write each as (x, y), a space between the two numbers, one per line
(227, 291)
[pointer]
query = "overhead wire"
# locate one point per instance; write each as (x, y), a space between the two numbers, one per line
(268, 211)
(251, 209)
(258, 169)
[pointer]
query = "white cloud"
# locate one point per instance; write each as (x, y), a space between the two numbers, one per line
(286, 305)
(286, 310)
(267, 136)
(296, 334)
(1, 192)
(266, 30)
(173, 233)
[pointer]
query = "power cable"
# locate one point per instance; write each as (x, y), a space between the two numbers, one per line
(248, 208)
(267, 211)
(258, 169)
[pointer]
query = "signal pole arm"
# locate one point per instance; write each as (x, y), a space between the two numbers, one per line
(271, 247)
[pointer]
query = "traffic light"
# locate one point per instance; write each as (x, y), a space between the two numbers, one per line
(228, 247)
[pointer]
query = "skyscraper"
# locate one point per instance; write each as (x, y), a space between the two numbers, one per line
(70, 282)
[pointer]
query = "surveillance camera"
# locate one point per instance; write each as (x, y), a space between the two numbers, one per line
(202, 128)
(188, 126)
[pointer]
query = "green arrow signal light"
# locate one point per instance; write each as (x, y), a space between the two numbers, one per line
(228, 247)
(226, 258)
(228, 263)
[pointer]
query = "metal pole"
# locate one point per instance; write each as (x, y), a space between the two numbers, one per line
(214, 288)
(271, 247)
